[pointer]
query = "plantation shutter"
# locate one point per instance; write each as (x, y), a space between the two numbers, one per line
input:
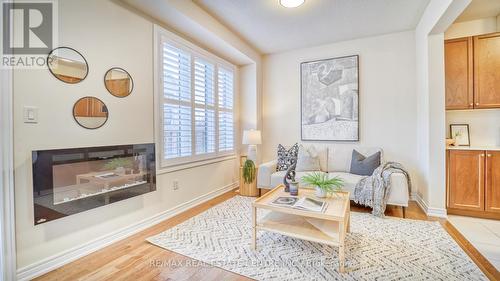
(225, 105)
(204, 104)
(177, 123)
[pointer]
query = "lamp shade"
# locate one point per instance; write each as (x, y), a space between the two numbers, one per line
(252, 137)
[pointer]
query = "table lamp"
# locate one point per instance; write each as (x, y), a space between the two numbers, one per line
(252, 138)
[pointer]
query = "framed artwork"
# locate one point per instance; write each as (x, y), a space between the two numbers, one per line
(330, 99)
(460, 132)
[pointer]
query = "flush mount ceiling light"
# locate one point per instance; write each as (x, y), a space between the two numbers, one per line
(291, 3)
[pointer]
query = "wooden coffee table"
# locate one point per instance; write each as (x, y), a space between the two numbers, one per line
(329, 227)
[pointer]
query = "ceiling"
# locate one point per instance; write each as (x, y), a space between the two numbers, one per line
(479, 9)
(271, 28)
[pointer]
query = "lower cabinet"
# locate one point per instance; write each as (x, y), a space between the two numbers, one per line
(493, 181)
(473, 183)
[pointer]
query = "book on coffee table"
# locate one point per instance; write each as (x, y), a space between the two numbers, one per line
(302, 203)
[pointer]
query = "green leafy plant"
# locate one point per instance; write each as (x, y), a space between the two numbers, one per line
(322, 181)
(117, 163)
(248, 171)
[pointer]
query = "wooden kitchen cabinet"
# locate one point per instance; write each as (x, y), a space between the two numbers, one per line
(473, 183)
(458, 60)
(487, 71)
(493, 181)
(472, 75)
(466, 179)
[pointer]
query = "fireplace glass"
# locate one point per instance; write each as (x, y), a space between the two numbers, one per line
(69, 181)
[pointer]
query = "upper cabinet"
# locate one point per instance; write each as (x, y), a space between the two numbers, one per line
(487, 71)
(458, 73)
(472, 72)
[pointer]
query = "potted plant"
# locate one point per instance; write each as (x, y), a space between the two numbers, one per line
(118, 164)
(248, 171)
(322, 184)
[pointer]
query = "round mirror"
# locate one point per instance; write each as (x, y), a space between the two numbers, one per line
(118, 82)
(67, 65)
(90, 112)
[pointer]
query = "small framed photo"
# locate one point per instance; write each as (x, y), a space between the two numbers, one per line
(460, 132)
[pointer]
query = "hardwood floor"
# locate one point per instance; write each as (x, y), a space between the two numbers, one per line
(135, 259)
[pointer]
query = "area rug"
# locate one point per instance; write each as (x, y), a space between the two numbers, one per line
(376, 248)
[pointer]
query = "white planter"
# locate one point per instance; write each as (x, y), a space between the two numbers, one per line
(320, 193)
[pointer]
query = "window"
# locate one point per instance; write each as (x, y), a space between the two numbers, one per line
(196, 94)
(226, 128)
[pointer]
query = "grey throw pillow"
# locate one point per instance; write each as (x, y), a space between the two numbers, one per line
(364, 166)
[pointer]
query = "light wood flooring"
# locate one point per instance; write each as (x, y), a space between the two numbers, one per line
(133, 257)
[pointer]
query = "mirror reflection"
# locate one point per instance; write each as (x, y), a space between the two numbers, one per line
(67, 65)
(118, 82)
(90, 112)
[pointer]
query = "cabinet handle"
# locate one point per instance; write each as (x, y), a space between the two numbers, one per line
(471, 104)
(477, 103)
(489, 155)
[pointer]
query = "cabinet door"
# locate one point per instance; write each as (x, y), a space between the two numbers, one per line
(486, 71)
(82, 108)
(458, 59)
(493, 181)
(466, 180)
(98, 108)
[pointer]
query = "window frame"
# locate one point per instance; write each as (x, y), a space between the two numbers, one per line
(162, 36)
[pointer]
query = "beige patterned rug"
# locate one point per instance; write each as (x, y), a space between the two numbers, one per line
(377, 249)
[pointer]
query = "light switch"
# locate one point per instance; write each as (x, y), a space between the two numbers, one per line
(30, 114)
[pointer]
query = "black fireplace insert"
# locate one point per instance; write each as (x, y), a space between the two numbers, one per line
(70, 181)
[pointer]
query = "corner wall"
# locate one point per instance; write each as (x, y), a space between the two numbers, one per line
(429, 40)
(387, 95)
(107, 35)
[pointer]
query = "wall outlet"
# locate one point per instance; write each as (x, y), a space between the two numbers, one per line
(175, 185)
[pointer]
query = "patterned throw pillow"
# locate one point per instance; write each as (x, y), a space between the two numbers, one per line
(286, 158)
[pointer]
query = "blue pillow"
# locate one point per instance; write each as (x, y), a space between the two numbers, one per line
(362, 165)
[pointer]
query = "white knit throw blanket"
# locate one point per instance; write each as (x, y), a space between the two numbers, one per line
(374, 190)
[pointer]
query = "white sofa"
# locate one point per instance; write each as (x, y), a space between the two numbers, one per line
(336, 161)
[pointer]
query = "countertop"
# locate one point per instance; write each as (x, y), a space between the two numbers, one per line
(474, 147)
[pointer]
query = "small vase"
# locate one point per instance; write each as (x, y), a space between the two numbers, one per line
(294, 188)
(320, 193)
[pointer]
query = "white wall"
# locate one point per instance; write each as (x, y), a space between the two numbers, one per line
(437, 17)
(249, 102)
(107, 35)
(471, 28)
(424, 66)
(437, 156)
(387, 94)
(484, 124)
(7, 218)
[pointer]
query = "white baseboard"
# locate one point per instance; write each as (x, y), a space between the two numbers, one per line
(39, 268)
(431, 212)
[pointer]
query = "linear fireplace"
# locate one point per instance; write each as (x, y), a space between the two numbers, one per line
(69, 181)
